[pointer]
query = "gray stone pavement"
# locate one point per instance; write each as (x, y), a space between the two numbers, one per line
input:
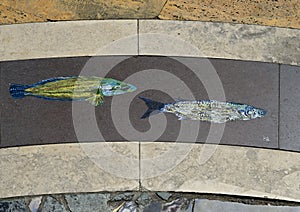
(143, 201)
(31, 121)
(289, 107)
(150, 37)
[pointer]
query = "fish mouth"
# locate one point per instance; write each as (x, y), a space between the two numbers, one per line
(263, 112)
(130, 88)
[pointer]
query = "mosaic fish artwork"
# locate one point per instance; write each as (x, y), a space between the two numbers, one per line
(82, 88)
(205, 110)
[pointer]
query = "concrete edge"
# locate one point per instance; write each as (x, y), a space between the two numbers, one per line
(68, 168)
(68, 39)
(234, 170)
(156, 37)
(122, 166)
(220, 40)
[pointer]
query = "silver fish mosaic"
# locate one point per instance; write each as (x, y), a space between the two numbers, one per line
(205, 110)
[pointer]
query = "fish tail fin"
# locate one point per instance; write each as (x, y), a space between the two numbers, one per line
(153, 106)
(17, 90)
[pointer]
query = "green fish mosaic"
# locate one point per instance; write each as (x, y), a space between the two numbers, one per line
(82, 88)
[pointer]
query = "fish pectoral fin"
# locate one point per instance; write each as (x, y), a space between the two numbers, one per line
(96, 100)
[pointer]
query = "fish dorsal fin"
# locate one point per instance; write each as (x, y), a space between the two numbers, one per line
(51, 80)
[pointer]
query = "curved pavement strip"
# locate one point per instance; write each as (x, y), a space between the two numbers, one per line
(221, 40)
(50, 169)
(230, 170)
(73, 167)
(65, 39)
(88, 38)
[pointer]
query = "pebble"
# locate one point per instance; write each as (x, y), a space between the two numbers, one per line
(164, 195)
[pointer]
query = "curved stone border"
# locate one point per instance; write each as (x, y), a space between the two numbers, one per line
(223, 40)
(66, 39)
(65, 168)
(89, 38)
(241, 171)
(61, 168)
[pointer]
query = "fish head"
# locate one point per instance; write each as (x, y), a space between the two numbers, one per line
(251, 112)
(112, 87)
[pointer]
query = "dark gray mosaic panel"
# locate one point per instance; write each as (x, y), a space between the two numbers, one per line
(255, 84)
(289, 108)
(30, 120)
(245, 82)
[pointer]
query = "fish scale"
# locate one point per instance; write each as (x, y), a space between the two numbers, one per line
(73, 88)
(212, 111)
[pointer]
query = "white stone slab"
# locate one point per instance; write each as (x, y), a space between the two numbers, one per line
(220, 169)
(219, 40)
(66, 39)
(69, 168)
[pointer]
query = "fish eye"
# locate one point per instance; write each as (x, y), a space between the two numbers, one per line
(248, 112)
(117, 87)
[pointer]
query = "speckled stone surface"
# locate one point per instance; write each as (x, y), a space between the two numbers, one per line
(63, 39)
(289, 106)
(9, 15)
(71, 168)
(219, 40)
(229, 170)
(51, 169)
(263, 12)
(21, 11)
